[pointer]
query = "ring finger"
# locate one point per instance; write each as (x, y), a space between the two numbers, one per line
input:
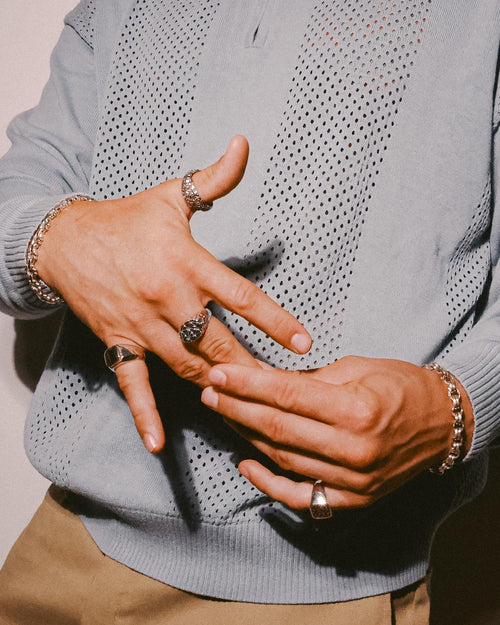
(217, 344)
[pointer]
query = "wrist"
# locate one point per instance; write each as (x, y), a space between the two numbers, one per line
(468, 418)
(460, 416)
(39, 265)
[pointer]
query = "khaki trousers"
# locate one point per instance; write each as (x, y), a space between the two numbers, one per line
(56, 575)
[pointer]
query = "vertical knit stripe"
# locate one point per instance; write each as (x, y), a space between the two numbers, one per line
(148, 100)
(328, 153)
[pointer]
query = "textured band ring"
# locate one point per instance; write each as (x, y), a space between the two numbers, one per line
(191, 195)
(195, 328)
(116, 355)
(319, 505)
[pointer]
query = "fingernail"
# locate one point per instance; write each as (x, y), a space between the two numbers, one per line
(150, 442)
(217, 377)
(301, 343)
(209, 397)
(243, 470)
(264, 365)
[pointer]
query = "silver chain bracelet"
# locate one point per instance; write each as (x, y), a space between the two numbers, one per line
(458, 419)
(42, 290)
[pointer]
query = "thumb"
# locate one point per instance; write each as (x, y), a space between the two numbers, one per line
(223, 176)
(212, 182)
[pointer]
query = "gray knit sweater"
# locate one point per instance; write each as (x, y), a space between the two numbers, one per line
(367, 211)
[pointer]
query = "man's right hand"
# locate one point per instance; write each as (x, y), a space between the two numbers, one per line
(130, 269)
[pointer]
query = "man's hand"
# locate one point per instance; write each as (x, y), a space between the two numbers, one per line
(364, 426)
(130, 269)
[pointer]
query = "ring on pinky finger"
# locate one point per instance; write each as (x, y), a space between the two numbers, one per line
(297, 495)
(117, 355)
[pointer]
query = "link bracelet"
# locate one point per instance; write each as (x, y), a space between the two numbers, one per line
(458, 418)
(42, 290)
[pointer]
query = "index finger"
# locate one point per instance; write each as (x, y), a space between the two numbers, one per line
(239, 295)
(291, 391)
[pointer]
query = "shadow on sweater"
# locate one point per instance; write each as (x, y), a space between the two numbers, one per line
(33, 344)
(465, 585)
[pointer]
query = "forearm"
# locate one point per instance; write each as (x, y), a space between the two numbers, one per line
(50, 159)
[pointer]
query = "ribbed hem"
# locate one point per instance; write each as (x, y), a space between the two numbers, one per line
(239, 562)
(477, 367)
(13, 271)
(281, 558)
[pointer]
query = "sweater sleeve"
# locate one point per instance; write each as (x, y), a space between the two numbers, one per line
(476, 362)
(50, 157)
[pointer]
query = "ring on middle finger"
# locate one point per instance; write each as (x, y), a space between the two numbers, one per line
(193, 329)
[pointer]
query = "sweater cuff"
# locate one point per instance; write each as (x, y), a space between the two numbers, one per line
(477, 367)
(13, 271)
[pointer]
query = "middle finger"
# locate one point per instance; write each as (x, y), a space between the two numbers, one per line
(193, 362)
(284, 428)
(246, 299)
(308, 466)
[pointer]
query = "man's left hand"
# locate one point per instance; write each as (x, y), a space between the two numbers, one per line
(363, 426)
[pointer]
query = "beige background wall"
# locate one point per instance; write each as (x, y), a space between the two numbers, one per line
(28, 32)
(467, 553)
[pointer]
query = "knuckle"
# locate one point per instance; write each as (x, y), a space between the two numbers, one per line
(287, 391)
(217, 348)
(125, 380)
(374, 487)
(283, 323)
(151, 289)
(191, 369)
(366, 413)
(365, 501)
(367, 485)
(245, 295)
(275, 428)
(141, 420)
(364, 487)
(349, 360)
(283, 459)
(365, 458)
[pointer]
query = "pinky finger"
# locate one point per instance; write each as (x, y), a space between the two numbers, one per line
(296, 495)
(133, 378)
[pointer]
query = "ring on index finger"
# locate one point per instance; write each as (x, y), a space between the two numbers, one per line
(191, 195)
(116, 355)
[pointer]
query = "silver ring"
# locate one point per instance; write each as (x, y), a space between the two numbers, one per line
(319, 505)
(195, 328)
(116, 355)
(191, 195)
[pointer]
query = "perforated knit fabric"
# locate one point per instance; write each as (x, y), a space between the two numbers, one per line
(154, 80)
(350, 188)
(468, 272)
(59, 418)
(82, 20)
(335, 129)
